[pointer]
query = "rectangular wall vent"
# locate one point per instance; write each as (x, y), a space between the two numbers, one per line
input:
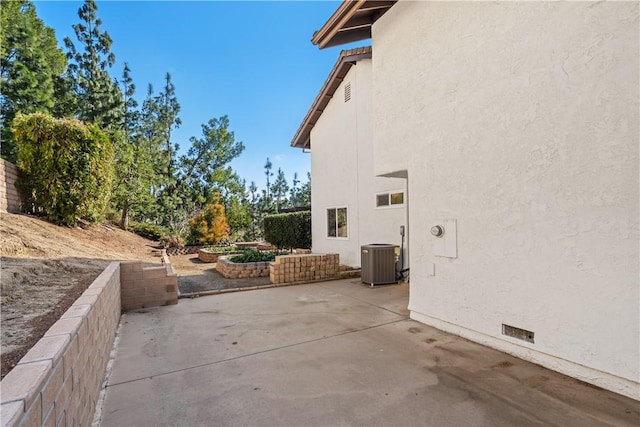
(521, 334)
(347, 92)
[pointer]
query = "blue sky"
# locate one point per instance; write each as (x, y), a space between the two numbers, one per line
(252, 61)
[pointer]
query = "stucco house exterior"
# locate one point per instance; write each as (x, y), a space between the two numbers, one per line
(350, 206)
(515, 128)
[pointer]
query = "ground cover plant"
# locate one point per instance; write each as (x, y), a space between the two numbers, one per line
(253, 255)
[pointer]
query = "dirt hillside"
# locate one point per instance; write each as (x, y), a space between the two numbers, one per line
(44, 268)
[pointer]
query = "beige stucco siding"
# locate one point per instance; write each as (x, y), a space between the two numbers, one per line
(520, 121)
(342, 173)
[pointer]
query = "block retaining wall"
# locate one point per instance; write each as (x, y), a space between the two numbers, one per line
(58, 381)
(10, 198)
(186, 250)
(232, 270)
(144, 287)
(304, 268)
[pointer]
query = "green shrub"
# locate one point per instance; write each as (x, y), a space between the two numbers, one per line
(288, 230)
(68, 167)
(149, 231)
(253, 255)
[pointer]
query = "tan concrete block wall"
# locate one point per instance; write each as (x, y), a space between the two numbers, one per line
(10, 198)
(232, 270)
(148, 286)
(58, 381)
(304, 268)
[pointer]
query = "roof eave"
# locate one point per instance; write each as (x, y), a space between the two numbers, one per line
(302, 138)
(351, 22)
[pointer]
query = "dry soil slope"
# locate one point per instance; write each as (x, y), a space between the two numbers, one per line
(44, 268)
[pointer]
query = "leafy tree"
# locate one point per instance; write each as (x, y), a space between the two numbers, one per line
(280, 189)
(238, 212)
(30, 64)
(68, 165)
(99, 98)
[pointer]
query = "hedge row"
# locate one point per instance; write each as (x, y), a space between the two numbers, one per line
(288, 230)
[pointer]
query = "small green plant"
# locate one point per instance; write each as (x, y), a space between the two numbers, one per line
(253, 255)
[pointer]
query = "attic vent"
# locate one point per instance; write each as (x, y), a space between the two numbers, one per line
(347, 92)
(518, 333)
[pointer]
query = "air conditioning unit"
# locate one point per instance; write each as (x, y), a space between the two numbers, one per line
(378, 264)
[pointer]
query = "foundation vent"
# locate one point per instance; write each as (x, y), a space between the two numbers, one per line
(347, 92)
(521, 334)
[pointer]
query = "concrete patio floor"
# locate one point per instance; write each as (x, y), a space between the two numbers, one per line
(327, 354)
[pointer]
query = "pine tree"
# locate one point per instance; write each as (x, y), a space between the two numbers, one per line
(255, 211)
(30, 61)
(304, 195)
(294, 190)
(134, 169)
(99, 98)
(267, 205)
(280, 189)
(150, 147)
(168, 110)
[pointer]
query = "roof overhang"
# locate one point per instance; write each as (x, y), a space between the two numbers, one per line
(347, 59)
(351, 22)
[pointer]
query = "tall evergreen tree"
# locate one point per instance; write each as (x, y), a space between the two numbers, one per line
(267, 196)
(150, 147)
(30, 63)
(294, 190)
(304, 195)
(168, 110)
(134, 169)
(99, 98)
(255, 211)
(280, 189)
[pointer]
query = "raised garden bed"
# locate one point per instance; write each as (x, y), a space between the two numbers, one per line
(251, 263)
(233, 270)
(211, 254)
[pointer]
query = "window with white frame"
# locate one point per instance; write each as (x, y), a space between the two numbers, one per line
(390, 199)
(337, 222)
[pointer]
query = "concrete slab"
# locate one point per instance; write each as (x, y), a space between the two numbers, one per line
(331, 353)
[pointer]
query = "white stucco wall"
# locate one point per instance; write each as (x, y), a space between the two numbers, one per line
(342, 173)
(520, 121)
